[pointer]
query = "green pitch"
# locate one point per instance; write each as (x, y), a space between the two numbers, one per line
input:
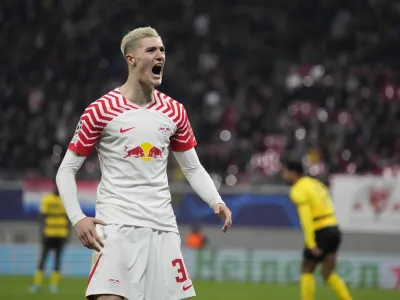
(16, 288)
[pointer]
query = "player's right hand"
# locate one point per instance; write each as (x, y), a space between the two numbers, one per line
(86, 232)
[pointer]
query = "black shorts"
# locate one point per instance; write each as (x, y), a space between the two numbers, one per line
(52, 243)
(328, 240)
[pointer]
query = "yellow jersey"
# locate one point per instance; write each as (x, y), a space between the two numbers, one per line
(314, 205)
(55, 218)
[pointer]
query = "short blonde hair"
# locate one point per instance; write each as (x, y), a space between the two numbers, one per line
(132, 37)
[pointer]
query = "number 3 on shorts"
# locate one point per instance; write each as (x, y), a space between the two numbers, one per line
(183, 275)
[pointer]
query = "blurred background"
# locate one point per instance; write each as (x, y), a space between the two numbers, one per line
(314, 80)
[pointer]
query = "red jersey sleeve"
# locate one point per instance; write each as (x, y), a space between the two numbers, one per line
(88, 131)
(184, 138)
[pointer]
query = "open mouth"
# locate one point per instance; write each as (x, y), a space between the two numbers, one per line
(156, 70)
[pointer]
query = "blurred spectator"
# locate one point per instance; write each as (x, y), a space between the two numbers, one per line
(196, 238)
(315, 79)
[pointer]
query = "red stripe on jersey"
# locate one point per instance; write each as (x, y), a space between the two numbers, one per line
(128, 103)
(123, 102)
(89, 132)
(79, 150)
(95, 118)
(100, 114)
(157, 103)
(183, 139)
(183, 119)
(87, 138)
(105, 109)
(94, 268)
(171, 111)
(113, 106)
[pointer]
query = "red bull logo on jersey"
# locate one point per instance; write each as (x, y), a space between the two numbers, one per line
(145, 152)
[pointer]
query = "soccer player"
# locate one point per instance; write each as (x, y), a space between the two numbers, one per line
(320, 228)
(135, 236)
(55, 230)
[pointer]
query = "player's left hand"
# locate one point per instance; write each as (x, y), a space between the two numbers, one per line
(225, 214)
(316, 251)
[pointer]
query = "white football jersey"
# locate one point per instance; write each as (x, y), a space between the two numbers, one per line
(132, 144)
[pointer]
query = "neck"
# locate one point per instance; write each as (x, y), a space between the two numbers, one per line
(136, 92)
(297, 178)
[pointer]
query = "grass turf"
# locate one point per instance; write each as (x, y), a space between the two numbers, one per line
(16, 288)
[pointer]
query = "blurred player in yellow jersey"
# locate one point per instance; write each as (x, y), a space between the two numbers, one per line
(55, 232)
(320, 228)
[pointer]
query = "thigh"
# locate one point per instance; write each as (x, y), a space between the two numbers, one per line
(167, 276)
(46, 245)
(59, 245)
(50, 243)
(328, 265)
(309, 256)
(44, 253)
(329, 240)
(310, 261)
(120, 267)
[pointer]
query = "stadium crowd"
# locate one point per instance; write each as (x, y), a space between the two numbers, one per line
(318, 80)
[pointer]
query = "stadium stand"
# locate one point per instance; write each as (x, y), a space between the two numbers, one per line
(318, 81)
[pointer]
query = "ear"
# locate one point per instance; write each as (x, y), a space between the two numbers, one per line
(130, 60)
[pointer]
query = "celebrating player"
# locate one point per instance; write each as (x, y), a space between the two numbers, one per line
(55, 230)
(320, 227)
(136, 240)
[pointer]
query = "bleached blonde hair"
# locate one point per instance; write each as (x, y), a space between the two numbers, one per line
(132, 37)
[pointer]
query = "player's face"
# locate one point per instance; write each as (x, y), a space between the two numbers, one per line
(150, 60)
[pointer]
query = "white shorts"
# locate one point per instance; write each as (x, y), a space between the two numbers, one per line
(139, 264)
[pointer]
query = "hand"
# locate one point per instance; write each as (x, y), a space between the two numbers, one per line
(316, 251)
(85, 230)
(225, 214)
